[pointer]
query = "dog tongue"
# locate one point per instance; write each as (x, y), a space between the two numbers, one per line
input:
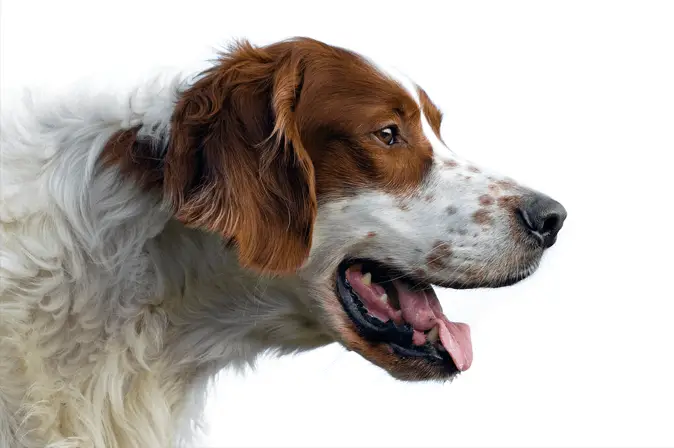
(423, 311)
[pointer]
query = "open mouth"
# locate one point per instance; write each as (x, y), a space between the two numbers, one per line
(388, 307)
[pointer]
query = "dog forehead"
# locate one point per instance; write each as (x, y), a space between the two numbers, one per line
(397, 76)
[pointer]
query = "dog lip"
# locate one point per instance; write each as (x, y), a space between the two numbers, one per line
(371, 329)
(398, 337)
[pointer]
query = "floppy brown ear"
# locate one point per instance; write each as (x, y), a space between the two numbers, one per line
(235, 164)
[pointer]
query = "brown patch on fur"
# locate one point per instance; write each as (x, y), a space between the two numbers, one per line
(428, 198)
(451, 164)
(474, 169)
(371, 234)
(482, 217)
(382, 355)
(437, 257)
(133, 158)
(509, 203)
(486, 200)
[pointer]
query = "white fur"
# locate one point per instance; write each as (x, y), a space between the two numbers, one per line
(113, 316)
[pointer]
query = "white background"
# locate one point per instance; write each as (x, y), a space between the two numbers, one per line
(575, 98)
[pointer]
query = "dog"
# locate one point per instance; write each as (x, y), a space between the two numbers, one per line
(289, 196)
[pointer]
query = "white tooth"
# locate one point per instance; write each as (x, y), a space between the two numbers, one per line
(433, 334)
(367, 279)
(384, 298)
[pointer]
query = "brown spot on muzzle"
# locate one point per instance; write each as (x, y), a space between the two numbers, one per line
(500, 186)
(486, 200)
(509, 203)
(482, 217)
(437, 258)
(451, 164)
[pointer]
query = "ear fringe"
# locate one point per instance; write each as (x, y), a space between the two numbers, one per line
(236, 164)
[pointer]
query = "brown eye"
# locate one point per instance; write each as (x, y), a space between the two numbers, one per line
(389, 135)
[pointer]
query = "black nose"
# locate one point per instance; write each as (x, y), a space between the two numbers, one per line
(543, 217)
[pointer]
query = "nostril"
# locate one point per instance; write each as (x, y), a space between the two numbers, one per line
(524, 217)
(550, 224)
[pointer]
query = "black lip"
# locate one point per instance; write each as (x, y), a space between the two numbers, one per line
(398, 337)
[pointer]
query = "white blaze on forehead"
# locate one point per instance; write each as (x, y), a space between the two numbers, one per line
(440, 150)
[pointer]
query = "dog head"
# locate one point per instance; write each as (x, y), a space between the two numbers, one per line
(314, 162)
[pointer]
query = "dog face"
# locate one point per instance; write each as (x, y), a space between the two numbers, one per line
(399, 212)
(314, 162)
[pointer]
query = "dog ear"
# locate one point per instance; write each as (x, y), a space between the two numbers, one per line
(235, 164)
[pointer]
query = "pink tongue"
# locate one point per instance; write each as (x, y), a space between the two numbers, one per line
(423, 311)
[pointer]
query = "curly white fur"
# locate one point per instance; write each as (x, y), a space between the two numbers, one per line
(96, 336)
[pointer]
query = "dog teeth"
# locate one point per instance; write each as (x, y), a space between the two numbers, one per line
(384, 298)
(367, 279)
(433, 334)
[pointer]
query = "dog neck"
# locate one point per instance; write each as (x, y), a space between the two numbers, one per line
(219, 312)
(137, 310)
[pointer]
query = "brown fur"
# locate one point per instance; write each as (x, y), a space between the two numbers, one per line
(133, 158)
(436, 259)
(256, 180)
(250, 155)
